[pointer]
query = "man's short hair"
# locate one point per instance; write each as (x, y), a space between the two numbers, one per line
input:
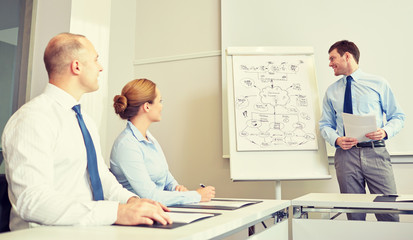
(61, 51)
(346, 46)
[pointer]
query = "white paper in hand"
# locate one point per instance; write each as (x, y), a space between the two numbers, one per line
(357, 126)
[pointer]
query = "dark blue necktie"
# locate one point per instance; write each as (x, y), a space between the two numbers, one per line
(348, 104)
(92, 165)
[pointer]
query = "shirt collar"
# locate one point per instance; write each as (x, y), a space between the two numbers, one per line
(62, 97)
(356, 74)
(138, 135)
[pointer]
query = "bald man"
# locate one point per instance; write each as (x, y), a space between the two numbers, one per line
(48, 159)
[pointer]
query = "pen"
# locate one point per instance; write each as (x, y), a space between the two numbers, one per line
(202, 185)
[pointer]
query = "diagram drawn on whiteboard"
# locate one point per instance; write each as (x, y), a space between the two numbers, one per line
(273, 103)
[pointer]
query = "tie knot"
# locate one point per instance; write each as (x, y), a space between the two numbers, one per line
(76, 108)
(349, 78)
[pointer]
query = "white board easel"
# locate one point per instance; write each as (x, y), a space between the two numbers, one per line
(257, 160)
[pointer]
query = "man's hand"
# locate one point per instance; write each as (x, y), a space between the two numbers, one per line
(346, 143)
(377, 135)
(206, 193)
(142, 211)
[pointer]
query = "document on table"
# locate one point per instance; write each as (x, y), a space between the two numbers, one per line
(394, 198)
(236, 204)
(222, 204)
(181, 218)
(404, 198)
(188, 217)
(357, 126)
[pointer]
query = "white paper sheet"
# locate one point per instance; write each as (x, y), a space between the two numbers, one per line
(404, 198)
(216, 203)
(357, 126)
(182, 217)
(273, 103)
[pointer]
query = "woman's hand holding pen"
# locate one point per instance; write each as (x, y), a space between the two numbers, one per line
(206, 192)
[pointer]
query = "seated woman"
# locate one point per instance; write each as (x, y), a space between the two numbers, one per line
(137, 159)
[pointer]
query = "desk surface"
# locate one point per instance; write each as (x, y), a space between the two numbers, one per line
(230, 221)
(348, 200)
(307, 228)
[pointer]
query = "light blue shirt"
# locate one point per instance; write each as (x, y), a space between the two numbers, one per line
(371, 95)
(140, 166)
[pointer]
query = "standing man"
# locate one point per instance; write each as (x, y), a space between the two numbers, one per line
(53, 161)
(359, 93)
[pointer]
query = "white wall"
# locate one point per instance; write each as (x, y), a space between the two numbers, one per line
(46, 13)
(121, 57)
(90, 18)
(383, 37)
(168, 34)
(190, 132)
(177, 46)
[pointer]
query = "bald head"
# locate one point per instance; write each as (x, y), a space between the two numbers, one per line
(61, 51)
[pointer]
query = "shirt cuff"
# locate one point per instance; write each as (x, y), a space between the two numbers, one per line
(333, 141)
(125, 195)
(104, 213)
(389, 133)
(195, 196)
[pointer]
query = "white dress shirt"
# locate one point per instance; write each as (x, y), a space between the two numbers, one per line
(46, 166)
(371, 95)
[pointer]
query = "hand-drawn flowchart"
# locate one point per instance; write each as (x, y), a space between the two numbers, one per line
(273, 103)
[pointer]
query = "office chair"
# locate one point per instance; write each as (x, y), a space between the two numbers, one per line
(5, 205)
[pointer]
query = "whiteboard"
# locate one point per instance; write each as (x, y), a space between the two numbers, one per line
(384, 38)
(272, 110)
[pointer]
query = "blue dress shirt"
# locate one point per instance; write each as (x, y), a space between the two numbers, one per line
(140, 166)
(371, 95)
